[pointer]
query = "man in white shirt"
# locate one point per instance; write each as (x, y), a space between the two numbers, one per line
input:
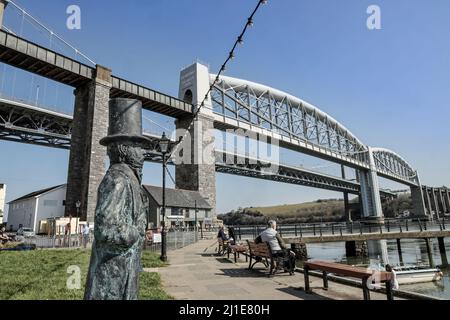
(277, 246)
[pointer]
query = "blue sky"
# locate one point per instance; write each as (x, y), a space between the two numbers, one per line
(390, 87)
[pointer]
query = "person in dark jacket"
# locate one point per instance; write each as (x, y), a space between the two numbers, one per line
(222, 234)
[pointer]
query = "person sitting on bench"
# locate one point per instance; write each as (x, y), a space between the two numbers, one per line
(222, 234)
(277, 246)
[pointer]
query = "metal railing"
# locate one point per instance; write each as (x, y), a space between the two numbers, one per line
(60, 241)
(346, 228)
(175, 240)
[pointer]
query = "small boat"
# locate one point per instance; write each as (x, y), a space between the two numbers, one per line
(412, 274)
(417, 274)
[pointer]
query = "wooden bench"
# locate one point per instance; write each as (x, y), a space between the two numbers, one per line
(262, 253)
(236, 250)
(349, 271)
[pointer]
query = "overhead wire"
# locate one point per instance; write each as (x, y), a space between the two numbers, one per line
(51, 32)
(231, 55)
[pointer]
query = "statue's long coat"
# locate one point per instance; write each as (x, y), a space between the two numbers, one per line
(119, 231)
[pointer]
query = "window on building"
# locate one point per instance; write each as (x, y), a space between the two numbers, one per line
(64, 202)
(50, 203)
(176, 212)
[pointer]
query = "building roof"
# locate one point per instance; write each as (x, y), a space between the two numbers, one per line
(178, 198)
(36, 193)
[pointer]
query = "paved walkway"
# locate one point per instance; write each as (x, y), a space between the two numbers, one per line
(195, 273)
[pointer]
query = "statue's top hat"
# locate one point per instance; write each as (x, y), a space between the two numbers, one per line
(125, 122)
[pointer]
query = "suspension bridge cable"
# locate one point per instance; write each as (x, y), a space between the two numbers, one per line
(51, 32)
(231, 55)
(154, 122)
(15, 70)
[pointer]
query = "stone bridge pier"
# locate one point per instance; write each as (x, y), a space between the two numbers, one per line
(87, 160)
(3, 4)
(194, 160)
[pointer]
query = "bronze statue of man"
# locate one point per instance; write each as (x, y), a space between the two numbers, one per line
(120, 215)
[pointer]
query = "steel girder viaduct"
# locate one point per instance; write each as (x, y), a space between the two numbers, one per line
(300, 126)
(22, 122)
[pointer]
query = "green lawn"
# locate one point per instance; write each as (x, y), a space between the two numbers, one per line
(42, 275)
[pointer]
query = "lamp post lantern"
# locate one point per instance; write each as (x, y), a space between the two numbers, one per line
(78, 205)
(164, 148)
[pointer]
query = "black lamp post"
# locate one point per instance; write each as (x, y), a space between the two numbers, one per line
(164, 148)
(196, 231)
(78, 205)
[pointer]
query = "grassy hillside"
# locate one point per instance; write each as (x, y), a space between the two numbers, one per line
(321, 210)
(292, 210)
(331, 210)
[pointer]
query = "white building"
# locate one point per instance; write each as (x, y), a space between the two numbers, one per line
(2, 201)
(32, 208)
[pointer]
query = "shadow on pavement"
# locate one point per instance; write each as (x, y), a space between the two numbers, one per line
(254, 273)
(300, 293)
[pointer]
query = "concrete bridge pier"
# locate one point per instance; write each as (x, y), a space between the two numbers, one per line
(87, 160)
(417, 199)
(442, 201)
(435, 203)
(427, 198)
(399, 250)
(430, 252)
(446, 196)
(443, 251)
(347, 212)
(447, 199)
(3, 4)
(370, 191)
(194, 160)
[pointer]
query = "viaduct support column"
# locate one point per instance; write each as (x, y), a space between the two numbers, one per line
(370, 191)
(428, 202)
(435, 202)
(447, 199)
(195, 167)
(442, 200)
(444, 259)
(87, 161)
(418, 203)
(3, 4)
(347, 212)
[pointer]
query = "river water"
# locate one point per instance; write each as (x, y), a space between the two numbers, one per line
(413, 251)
